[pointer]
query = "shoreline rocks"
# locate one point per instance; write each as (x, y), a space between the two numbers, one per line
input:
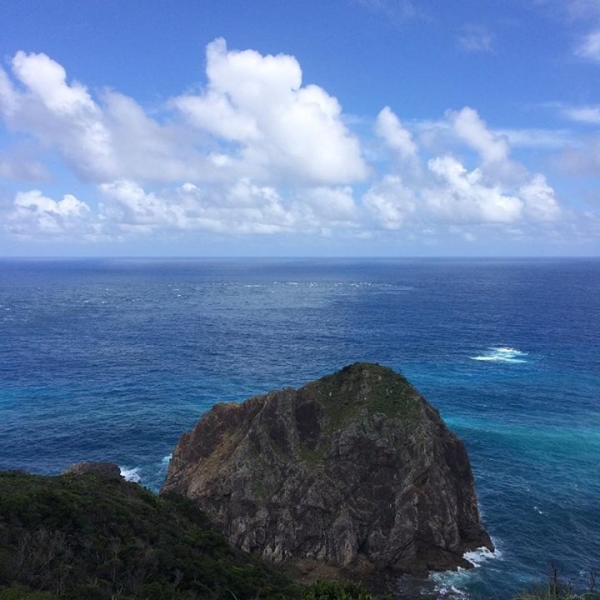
(97, 468)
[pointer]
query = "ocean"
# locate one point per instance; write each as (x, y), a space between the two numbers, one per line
(112, 359)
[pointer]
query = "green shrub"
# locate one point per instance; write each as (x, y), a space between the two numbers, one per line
(89, 536)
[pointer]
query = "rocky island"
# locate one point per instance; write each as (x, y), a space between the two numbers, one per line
(355, 472)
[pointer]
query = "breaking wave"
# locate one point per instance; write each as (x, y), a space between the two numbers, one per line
(450, 585)
(131, 474)
(502, 354)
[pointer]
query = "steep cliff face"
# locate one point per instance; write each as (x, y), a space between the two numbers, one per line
(355, 470)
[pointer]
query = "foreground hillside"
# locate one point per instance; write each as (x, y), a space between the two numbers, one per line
(93, 537)
(96, 537)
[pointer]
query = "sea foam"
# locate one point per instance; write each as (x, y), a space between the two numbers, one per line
(450, 584)
(131, 474)
(502, 354)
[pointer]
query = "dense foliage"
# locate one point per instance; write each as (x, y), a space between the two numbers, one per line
(97, 537)
(94, 537)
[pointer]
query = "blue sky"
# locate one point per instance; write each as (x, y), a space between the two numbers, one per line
(347, 127)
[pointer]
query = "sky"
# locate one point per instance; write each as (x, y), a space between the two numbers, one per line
(299, 128)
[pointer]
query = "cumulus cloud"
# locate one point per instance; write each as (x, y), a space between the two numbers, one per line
(240, 208)
(492, 148)
(498, 190)
(469, 127)
(539, 199)
(99, 141)
(463, 196)
(58, 113)
(34, 214)
(390, 129)
(331, 206)
(280, 127)
(255, 119)
(256, 152)
(390, 202)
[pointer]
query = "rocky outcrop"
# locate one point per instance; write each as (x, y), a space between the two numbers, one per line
(97, 468)
(355, 470)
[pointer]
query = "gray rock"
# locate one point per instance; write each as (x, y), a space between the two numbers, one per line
(355, 470)
(98, 468)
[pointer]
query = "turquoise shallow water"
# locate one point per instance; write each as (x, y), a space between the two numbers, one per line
(114, 359)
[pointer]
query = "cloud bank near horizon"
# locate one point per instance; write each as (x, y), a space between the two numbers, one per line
(256, 151)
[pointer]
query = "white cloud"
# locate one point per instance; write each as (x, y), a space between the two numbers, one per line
(458, 195)
(282, 129)
(589, 47)
(583, 114)
(469, 127)
(9, 101)
(239, 208)
(36, 215)
(389, 128)
(256, 152)
(58, 113)
(493, 149)
(464, 196)
(100, 142)
(390, 202)
(255, 120)
(331, 206)
(539, 200)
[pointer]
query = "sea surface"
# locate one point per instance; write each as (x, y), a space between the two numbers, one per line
(113, 359)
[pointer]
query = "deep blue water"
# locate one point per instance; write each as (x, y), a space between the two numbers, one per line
(114, 359)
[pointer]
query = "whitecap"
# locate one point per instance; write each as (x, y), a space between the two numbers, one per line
(131, 474)
(480, 555)
(502, 354)
(451, 584)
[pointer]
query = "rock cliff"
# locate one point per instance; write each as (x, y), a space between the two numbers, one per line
(97, 468)
(356, 471)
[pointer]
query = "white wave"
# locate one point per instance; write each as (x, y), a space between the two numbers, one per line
(480, 555)
(451, 584)
(165, 461)
(502, 354)
(447, 584)
(131, 474)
